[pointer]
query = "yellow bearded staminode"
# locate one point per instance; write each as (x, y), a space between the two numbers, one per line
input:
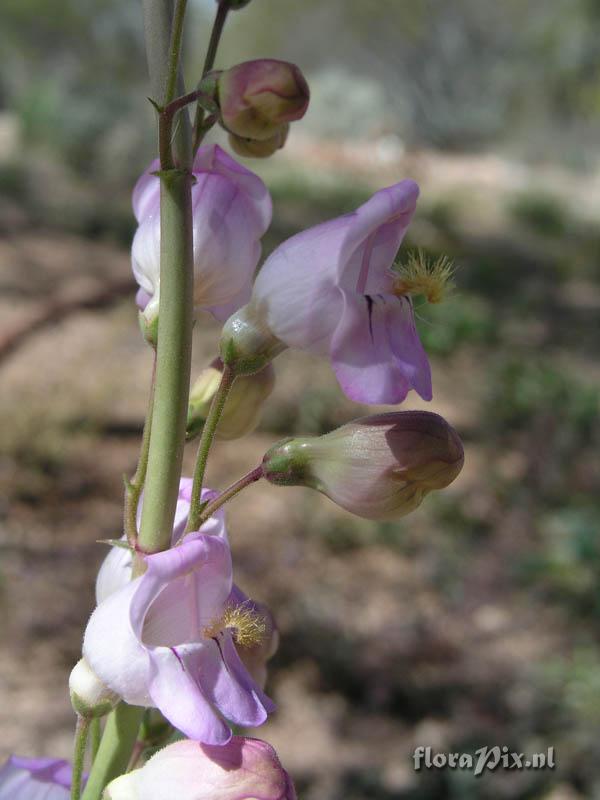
(247, 626)
(422, 276)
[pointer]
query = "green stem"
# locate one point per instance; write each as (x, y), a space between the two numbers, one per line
(133, 488)
(167, 433)
(96, 734)
(175, 50)
(226, 495)
(81, 734)
(172, 364)
(120, 735)
(208, 433)
(211, 54)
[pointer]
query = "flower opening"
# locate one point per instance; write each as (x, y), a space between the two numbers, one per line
(421, 276)
(247, 626)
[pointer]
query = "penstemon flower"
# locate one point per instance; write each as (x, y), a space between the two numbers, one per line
(35, 779)
(231, 210)
(168, 639)
(331, 290)
(243, 769)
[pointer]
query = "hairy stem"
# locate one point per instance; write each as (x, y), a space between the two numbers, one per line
(81, 735)
(113, 755)
(96, 735)
(208, 433)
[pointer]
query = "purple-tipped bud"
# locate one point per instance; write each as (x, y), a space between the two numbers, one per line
(242, 769)
(244, 403)
(259, 148)
(257, 98)
(378, 467)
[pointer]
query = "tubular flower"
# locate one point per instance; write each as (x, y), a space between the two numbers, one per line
(331, 290)
(378, 467)
(168, 639)
(243, 769)
(35, 779)
(231, 210)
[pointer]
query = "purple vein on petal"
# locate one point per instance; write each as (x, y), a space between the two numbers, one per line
(361, 283)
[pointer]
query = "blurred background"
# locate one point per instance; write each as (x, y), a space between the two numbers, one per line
(473, 621)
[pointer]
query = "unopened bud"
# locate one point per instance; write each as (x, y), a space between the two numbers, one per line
(247, 343)
(255, 148)
(257, 98)
(239, 770)
(378, 467)
(89, 696)
(242, 408)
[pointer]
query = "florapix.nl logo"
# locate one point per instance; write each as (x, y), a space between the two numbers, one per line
(485, 758)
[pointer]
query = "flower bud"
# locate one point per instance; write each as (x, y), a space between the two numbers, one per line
(378, 467)
(244, 403)
(242, 769)
(255, 148)
(257, 98)
(247, 344)
(89, 696)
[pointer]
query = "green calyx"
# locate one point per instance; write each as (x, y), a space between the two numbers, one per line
(287, 463)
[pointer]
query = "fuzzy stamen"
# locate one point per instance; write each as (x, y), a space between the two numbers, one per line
(246, 625)
(422, 276)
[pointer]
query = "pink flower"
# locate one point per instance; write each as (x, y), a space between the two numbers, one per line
(331, 290)
(231, 211)
(168, 639)
(35, 779)
(244, 769)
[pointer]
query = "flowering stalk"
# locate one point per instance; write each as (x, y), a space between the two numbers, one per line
(215, 38)
(208, 434)
(81, 735)
(226, 495)
(167, 435)
(133, 487)
(112, 758)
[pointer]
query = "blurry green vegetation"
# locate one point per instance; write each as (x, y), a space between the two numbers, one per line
(461, 319)
(541, 212)
(528, 389)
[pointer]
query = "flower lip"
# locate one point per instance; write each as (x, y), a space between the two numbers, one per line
(373, 237)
